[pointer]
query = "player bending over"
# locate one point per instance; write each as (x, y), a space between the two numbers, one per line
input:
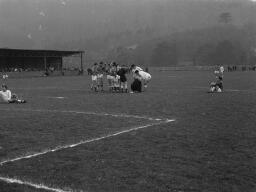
(136, 86)
(7, 96)
(135, 68)
(116, 83)
(145, 77)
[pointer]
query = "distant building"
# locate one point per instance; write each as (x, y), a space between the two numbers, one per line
(35, 60)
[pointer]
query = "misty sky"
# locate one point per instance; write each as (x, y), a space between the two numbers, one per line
(60, 23)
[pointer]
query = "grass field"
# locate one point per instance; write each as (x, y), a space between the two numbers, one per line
(67, 138)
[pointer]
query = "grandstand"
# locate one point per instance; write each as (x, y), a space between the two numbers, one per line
(19, 60)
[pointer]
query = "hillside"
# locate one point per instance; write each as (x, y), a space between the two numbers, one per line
(104, 25)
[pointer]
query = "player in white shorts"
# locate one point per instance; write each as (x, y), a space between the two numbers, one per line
(100, 71)
(111, 73)
(94, 84)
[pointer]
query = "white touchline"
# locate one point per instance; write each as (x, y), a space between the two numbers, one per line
(59, 148)
(85, 113)
(56, 97)
(37, 186)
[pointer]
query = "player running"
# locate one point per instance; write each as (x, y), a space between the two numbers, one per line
(109, 77)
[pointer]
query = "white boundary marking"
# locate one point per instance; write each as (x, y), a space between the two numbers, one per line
(37, 186)
(59, 148)
(86, 113)
(49, 88)
(41, 186)
(57, 97)
(62, 88)
(42, 88)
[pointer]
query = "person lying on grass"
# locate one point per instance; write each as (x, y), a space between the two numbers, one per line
(7, 96)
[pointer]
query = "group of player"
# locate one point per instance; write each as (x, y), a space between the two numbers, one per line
(116, 76)
(117, 80)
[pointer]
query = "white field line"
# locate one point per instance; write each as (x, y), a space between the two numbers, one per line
(85, 113)
(62, 88)
(49, 88)
(59, 148)
(37, 186)
(40, 88)
(57, 97)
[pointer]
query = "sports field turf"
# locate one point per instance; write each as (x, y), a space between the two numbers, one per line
(67, 138)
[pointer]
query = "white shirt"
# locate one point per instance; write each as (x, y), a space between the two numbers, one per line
(222, 69)
(6, 95)
(137, 69)
(137, 76)
(144, 75)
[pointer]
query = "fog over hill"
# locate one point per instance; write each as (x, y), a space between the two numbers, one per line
(102, 25)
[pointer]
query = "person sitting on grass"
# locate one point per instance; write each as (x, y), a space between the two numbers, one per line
(8, 97)
(218, 85)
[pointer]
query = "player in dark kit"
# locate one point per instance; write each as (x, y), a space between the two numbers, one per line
(123, 80)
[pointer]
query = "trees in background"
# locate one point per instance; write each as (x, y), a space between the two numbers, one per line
(224, 52)
(165, 54)
(219, 45)
(225, 17)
